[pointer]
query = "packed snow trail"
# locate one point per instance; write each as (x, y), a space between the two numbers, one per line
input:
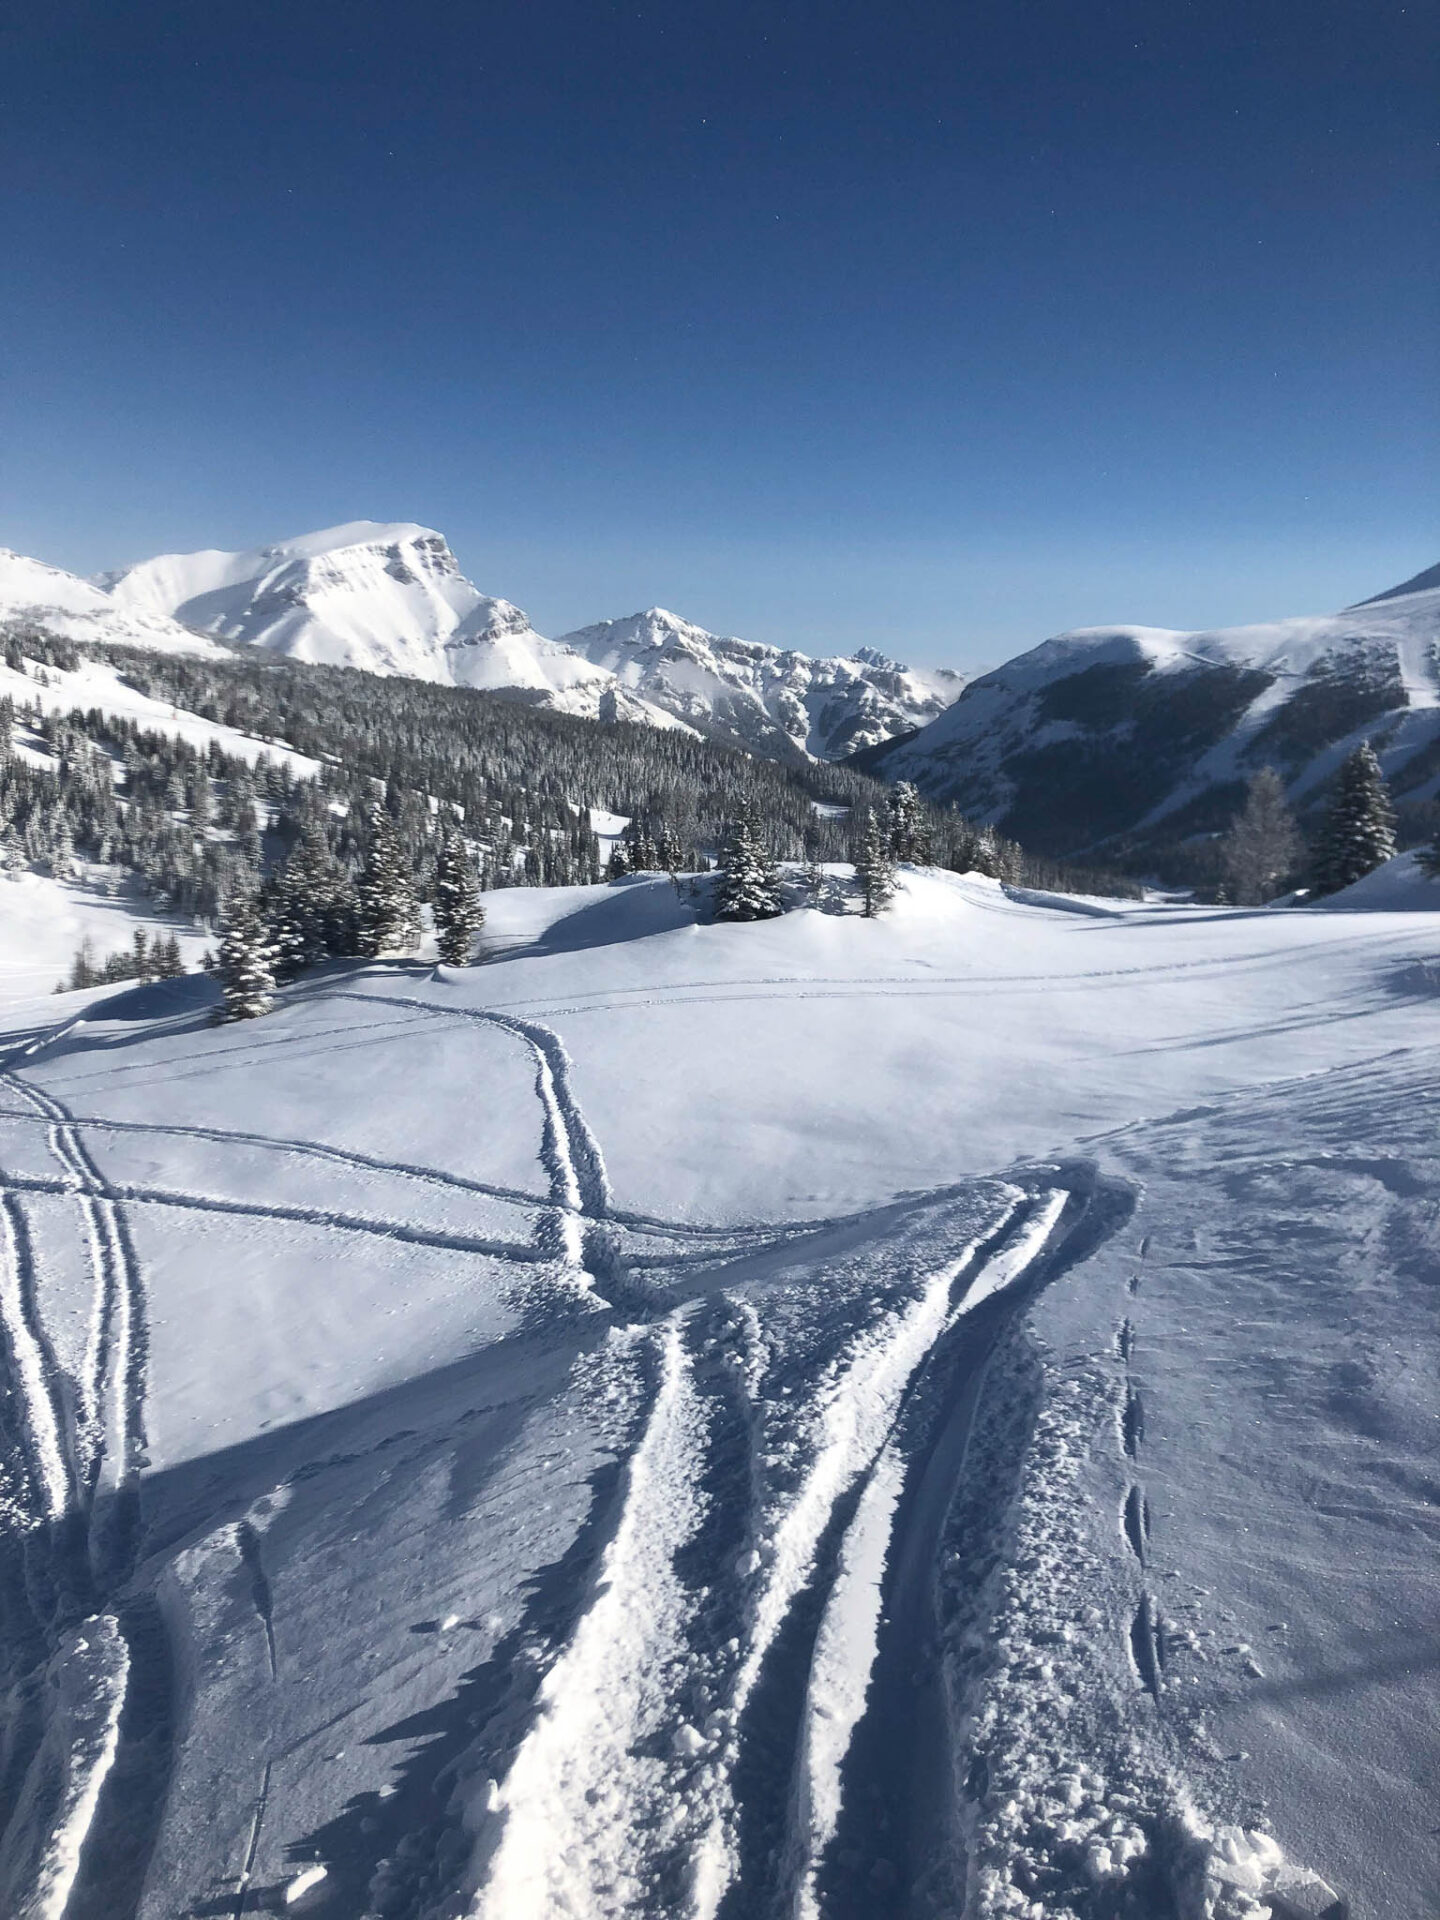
(112, 1385)
(623, 1798)
(587, 1782)
(88, 1679)
(33, 1373)
(91, 1514)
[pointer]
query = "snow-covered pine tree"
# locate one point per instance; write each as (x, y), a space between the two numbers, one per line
(166, 958)
(985, 855)
(1359, 830)
(386, 918)
(619, 862)
(749, 886)
(1263, 845)
(874, 868)
(247, 979)
(459, 915)
(669, 851)
(909, 830)
(312, 906)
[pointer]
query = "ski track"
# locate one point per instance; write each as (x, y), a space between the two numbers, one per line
(111, 1388)
(90, 1668)
(845, 1650)
(579, 1167)
(41, 1419)
(583, 1785)
(90, 1678)
(608, 1784)
(611, 1785)
(857, 1411)
(848, 1638)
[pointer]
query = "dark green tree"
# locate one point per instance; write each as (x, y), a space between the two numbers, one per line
(1359, 830)
(459, 915)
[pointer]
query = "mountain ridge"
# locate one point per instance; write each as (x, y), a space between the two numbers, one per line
(1118, 739)
(390, 597)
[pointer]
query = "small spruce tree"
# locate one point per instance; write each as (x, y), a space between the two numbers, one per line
(909, 829)
(247, 978)
(386, 916)
(874, 867)
(1262, 847)
(749, 886)
(166, 959)
(459, 915)
(1359, 830)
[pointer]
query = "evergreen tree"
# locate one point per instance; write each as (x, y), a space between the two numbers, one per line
(619, 861)
(874, 868)
(387, 917)
(312, 906)
(985, 855)
(246, 977)
(1262, 847)
(459, 915)
(812, 875)
(165, 956)
(749, 886)
(909, 829)
(1359, 830)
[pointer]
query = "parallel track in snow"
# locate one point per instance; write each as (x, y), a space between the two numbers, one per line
(79, 1518)
(687, 1755)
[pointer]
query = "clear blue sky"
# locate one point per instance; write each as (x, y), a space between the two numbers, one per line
(937, 326)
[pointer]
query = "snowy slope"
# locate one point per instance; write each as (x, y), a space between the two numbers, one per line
(93, 684)
(771, 701)
(32, 594)
(44, 921)
(574, 1434)
(1112, 731)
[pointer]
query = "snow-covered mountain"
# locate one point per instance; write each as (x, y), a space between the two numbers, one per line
(392, 599)
(32, 594)
(1145, 733)
(767, 699)
(389, 599)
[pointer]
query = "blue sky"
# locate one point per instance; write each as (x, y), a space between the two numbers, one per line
(937, 327)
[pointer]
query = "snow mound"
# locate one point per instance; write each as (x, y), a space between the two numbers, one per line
(1400, 885)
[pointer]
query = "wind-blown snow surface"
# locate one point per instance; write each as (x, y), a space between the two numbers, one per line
(823, 1417)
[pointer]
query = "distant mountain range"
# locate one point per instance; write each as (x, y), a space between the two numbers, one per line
(1106, 743)
(391, 599)
(1115, 740)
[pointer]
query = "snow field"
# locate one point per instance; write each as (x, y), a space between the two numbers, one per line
(570, 1392)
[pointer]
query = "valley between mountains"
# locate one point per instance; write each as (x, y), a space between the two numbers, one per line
(820, 1417)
